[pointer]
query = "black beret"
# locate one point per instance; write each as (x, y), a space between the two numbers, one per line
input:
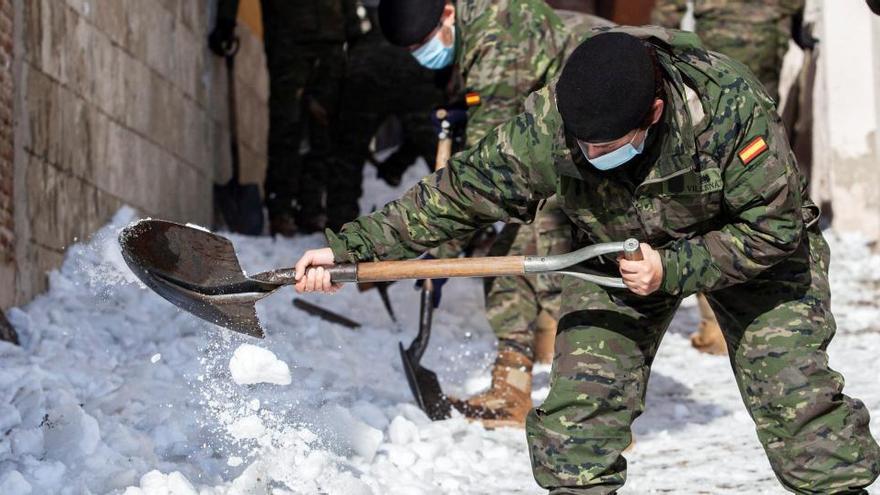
(408, 22)
(606, 87)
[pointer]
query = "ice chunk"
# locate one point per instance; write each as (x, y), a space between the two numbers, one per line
(156, 357)
(70, 433)
(156, 483)
(251, 364)
(402, 431)
(351, 433)
(14, 482)
(247, 427)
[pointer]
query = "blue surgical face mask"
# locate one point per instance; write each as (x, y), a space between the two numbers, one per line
(434, 54)
(616, 158)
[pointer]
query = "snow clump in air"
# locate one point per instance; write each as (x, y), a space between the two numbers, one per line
(251, 364)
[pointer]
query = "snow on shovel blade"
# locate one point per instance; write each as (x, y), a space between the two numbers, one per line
(196, 271)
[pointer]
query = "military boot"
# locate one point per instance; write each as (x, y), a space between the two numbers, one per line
(509, 399)
(545, 338)
(708, 338)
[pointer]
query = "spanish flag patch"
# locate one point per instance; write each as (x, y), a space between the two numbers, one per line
(753, 150)
(472, 99)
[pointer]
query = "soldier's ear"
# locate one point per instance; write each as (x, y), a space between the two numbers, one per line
(447, 18)
(657, 110)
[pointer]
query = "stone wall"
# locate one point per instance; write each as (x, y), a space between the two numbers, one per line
(120, 102)
(7, 218)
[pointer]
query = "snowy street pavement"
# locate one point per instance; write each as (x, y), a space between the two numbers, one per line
(116, 391)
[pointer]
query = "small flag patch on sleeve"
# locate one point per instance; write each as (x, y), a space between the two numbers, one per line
(753, 150)
(472, 99)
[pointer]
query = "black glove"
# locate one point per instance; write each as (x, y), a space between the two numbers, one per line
(802, 34)
(456, 117)
(874, 5)
(221, 41)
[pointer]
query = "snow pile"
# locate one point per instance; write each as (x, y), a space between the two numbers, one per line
(115, 391)
(251, 364)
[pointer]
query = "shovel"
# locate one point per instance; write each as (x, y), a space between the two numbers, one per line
(199, 272)
(240, 205)
(423, 382)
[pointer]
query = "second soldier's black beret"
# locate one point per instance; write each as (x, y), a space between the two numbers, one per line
(606, 87)
(409, 22)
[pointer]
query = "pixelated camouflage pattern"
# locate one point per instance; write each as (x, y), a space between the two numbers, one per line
(754, 32)
(778, 326)
(514, 303)
(748, 217)
(506, 49)
(529, 44)
(733, 230)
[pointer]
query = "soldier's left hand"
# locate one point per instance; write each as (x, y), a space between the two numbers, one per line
(642, 277)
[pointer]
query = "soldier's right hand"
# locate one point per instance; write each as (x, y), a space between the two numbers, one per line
(221, 41)
(310, 273)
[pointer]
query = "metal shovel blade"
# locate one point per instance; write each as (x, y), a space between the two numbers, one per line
(423, 382)
(196, 271)
(425, 388)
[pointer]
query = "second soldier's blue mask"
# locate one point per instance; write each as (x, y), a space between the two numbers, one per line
(434, 54)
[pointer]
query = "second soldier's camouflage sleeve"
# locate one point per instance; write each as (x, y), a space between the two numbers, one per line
(669, 13)
(504, 176)
(508, 49)
(765, 224)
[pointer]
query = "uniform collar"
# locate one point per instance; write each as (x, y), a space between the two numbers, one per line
(678, 149)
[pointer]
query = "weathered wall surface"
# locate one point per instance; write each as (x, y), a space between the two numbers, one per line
(118, 102)
(847, 99)
(7, 214)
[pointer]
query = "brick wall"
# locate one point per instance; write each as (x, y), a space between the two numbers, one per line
(120, 103)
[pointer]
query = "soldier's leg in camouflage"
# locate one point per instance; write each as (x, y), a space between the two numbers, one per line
(552, 231)
(513, 306)
(508, 399)
(289, 69)
(778, 327)
(605, 344)
(708, 337)
(322, 95)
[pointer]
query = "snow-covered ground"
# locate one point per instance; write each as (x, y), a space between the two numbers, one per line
(116, 391)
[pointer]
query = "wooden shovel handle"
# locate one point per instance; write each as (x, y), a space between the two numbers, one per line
(444, 152)
(496, 266)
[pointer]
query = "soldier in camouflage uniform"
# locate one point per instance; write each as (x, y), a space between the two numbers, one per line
(305, 55)
(755, 33)
(717, 198)
(503, 50)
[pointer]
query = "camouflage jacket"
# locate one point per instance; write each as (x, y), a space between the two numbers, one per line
(505, 50)
(302, 20)
(669, 13)
(718, 216)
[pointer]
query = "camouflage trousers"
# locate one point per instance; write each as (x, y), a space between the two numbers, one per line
(761, 47)
(777, 328)
(514, 303)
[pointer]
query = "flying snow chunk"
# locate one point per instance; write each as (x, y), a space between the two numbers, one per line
(156, 357)
(251, 364)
